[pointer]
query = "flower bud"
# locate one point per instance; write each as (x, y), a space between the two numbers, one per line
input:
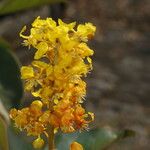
(37, 103)
(76, 146)
(38, 143)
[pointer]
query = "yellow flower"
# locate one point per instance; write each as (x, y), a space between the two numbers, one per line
(54, 77)
(27, 72)
(86, 31)
(21, 119)
(13, 113)
(42, 49)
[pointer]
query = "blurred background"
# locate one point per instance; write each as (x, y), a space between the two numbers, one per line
(119, 85)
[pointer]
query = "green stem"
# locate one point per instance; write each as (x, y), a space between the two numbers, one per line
(51, 145)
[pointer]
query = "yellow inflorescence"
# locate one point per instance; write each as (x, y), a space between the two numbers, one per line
(54, 77)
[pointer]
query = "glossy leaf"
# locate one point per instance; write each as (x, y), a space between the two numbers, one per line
(11, 6)
(3, 135)
(96, 139)
(10, 84)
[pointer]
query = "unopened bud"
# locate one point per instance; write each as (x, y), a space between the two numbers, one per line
(38, 143)
(76, 146)
(37, 103)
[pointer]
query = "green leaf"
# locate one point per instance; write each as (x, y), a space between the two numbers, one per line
(3, 135)
(11, 6)
(11, 89)
(96, 139)
(17, 141)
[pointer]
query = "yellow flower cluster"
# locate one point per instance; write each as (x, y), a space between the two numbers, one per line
(54, 77)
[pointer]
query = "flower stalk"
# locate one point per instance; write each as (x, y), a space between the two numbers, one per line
(51, 136)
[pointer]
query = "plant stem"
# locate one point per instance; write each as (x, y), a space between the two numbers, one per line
(51, 145)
